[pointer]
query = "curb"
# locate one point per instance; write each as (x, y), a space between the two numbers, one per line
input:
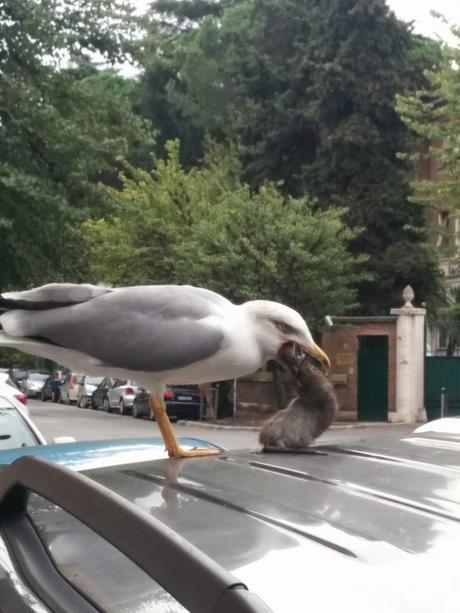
(336, 426)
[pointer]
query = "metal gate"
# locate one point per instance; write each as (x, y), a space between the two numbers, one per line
(442, 372)
(373, 378)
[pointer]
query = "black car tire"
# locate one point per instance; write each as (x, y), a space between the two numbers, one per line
(135, 412)
(121, 407)
(105, 405)
(42, 397)
(82, 403)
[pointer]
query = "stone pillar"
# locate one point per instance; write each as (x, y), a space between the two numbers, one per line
(410, 361)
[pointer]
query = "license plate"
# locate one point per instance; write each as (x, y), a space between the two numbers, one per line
(184, 398)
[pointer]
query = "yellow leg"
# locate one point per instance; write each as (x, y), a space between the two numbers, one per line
(158, 409)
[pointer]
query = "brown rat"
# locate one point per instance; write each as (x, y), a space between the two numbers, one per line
(309, 414)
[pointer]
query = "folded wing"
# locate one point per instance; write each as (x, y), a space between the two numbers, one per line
(147, 328)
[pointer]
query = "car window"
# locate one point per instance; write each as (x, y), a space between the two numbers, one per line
(10, 381)
(38, 376)
(20, 374)
(94, 567)
(93, 380)
(14, 431)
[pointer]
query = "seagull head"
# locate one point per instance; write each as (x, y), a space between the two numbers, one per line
(277, 324)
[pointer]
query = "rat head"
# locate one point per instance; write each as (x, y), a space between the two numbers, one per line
(306, 375)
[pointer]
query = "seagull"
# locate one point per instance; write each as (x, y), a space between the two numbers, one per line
(154, 334)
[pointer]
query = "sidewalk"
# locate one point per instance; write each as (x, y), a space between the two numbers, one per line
(239, 425)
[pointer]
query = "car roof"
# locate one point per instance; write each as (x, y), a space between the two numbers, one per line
(85, 455)
(332, 530)
(366, 527)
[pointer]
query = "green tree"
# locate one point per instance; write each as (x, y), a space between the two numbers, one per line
(304, 93)
(59, 130)
(203, 226)
(433, 112)
(448, 320)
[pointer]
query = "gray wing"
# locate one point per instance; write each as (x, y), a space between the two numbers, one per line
(51, 296)
(150, 328)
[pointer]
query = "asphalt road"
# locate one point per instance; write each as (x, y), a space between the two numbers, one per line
(85, 424)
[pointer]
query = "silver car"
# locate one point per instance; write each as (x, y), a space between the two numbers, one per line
(33, 384)
(121, 396)
(365, 526)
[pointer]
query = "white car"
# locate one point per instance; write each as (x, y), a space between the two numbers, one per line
(70, 387)
(121, 396)
(16, 427)
(9, 389)
(85, 390)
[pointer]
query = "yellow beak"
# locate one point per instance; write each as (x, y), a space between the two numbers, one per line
(319, 354)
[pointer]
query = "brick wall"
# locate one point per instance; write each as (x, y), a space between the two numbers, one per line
(341, 345)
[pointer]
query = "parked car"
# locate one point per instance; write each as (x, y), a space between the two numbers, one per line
(362, 528)
(120, 396)
(182, 402)
(100, 393)
(86, 388)
(9, 388)
(32, 384)
(18, 374)
(51, 389)
(17, 429)
(69, 388)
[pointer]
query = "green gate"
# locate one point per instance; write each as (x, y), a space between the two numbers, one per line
(442, 372)
(373, 378)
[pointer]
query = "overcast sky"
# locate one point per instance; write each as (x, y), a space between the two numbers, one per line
(407, 10)
(419, 12)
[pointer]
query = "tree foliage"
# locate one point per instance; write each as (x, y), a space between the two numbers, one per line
(60, 131)
(303, 93)
(433, 112)
(203, 226)
(448, 320)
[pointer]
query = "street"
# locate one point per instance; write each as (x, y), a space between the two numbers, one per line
(85, 424)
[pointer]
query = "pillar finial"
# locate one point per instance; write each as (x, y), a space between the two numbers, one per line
(408, 295)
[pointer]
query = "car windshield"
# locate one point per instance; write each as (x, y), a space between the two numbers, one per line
(38, 376)
(94, 380)
(14, 431)
(20, 374)
(4, 378)
(10, 382)
(123, 382)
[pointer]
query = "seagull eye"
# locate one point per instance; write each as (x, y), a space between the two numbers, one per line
(284, 327)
